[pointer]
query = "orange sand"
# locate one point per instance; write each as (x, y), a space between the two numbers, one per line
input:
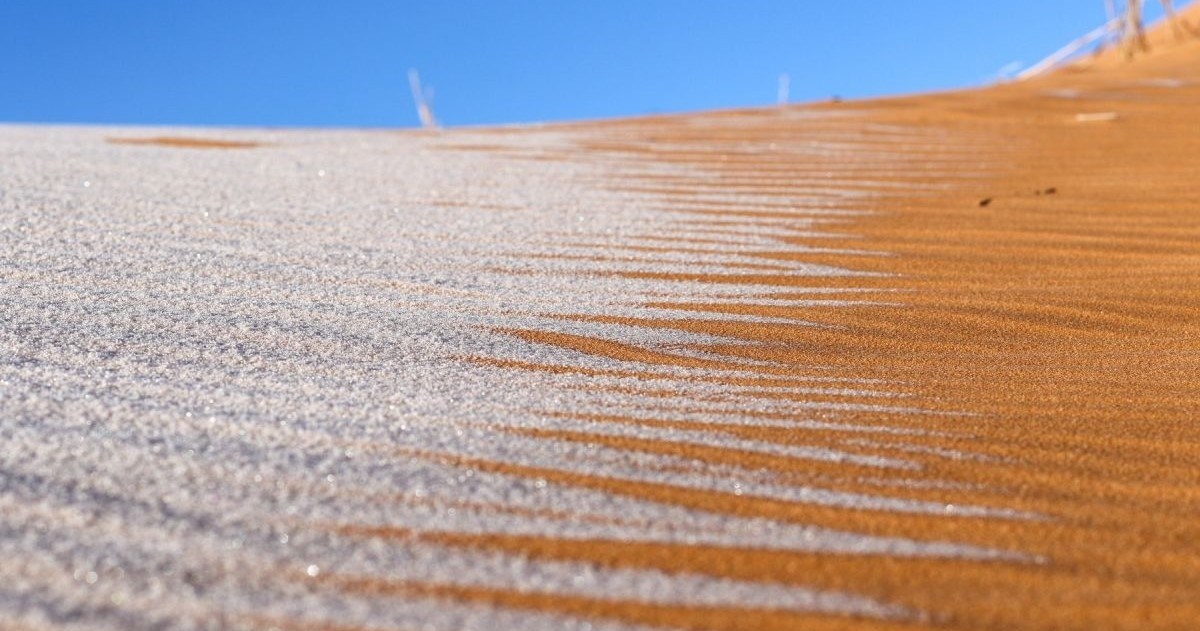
(190, 143)
(1063, 315)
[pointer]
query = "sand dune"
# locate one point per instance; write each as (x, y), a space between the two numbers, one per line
(907, 363)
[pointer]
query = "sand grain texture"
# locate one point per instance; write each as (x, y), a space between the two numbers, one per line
(767, 369)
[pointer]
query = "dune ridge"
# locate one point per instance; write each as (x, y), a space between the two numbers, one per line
(904, 363)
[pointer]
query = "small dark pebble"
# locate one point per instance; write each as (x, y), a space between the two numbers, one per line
(985, 201)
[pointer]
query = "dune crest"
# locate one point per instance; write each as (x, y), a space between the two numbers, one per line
(925, 362)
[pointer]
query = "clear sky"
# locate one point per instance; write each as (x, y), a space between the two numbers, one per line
(344, 62)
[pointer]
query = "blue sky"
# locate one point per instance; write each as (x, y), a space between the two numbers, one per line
(344, 62)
